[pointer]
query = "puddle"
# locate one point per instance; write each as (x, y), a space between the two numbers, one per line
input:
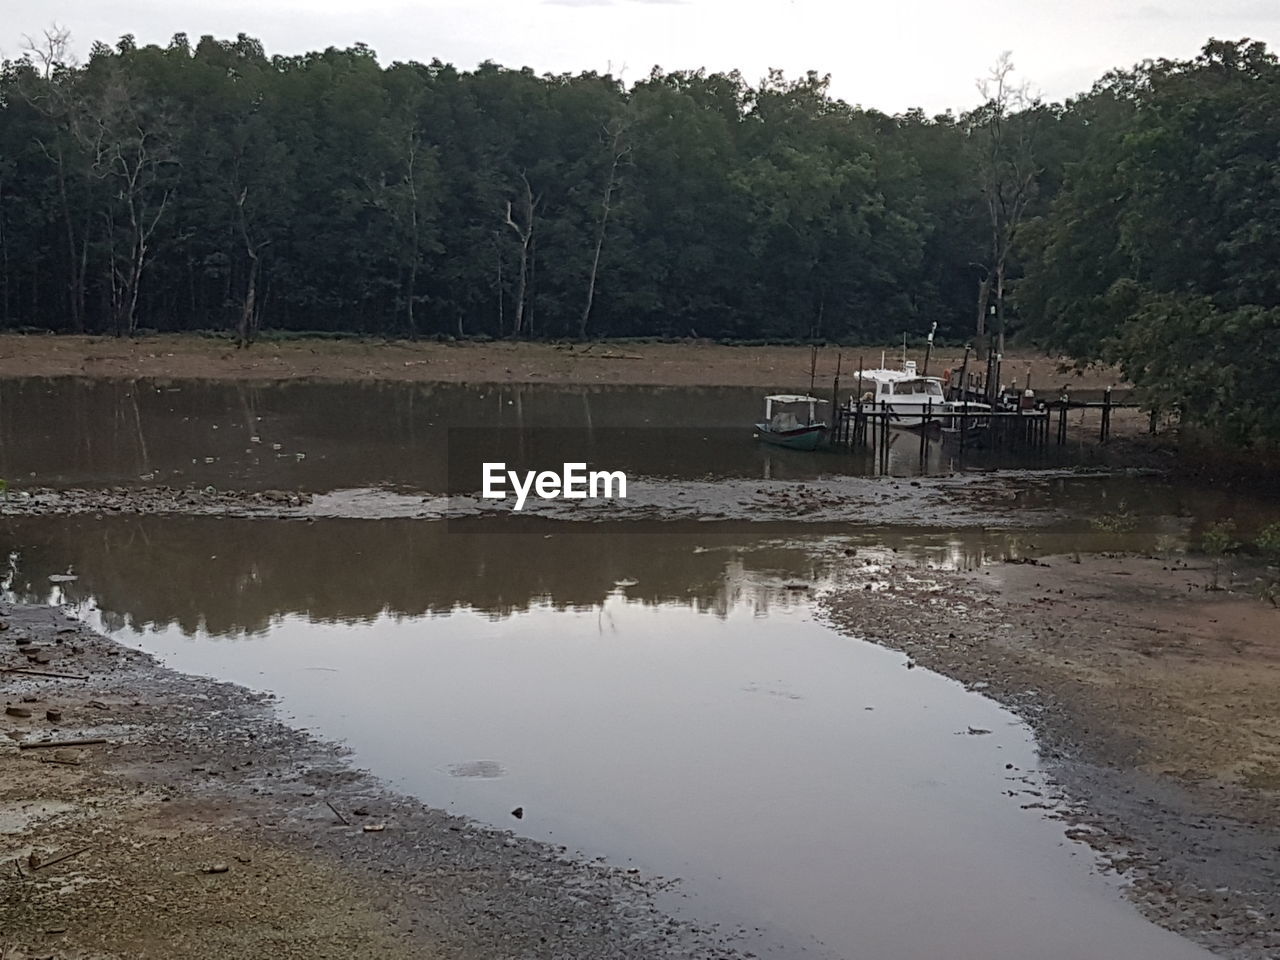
(16, 818)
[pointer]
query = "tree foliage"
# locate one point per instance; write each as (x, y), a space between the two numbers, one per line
(212, 186)
(209, 185)
(1160, 253)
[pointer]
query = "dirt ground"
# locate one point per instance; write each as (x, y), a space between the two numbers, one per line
(1155, 696)
(201, 827)
(695, 363)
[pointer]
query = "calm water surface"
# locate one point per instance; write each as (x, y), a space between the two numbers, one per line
(668, 701)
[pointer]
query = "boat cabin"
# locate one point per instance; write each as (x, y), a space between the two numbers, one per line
(785, 411)
(899, 386)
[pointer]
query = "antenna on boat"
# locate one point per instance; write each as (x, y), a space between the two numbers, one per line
(904, 348)
(813, 368)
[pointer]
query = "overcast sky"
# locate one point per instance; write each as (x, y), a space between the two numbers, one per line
(892, 54)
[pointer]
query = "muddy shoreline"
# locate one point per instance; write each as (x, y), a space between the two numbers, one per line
(686, 363)
(205, 827)
(1155, 699)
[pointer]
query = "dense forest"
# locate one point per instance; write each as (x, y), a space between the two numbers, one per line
(211, 186)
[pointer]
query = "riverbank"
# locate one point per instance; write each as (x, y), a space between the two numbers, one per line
(1156, 700)
(690, 363)
(200, 826)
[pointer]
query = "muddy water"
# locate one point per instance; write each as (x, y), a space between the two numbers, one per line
(667, 701)
(318, 436)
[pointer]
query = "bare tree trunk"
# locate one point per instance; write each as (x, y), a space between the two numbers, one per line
(980, 333)
(247, 327)
(1000, 308)
(75, 285)
(525, 232)
(617, 151)
(414, 227)
(502, 318)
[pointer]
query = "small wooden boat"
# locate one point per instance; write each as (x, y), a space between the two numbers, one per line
(790, 421)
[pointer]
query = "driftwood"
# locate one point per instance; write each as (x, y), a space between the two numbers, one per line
(337, 813)
(42, 673)
(87, 742)
(65, 856)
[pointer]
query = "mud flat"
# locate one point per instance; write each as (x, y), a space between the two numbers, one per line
(1155, 697)
(689, 363)
(201, 826)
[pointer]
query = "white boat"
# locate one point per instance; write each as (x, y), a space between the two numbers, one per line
(910, 398)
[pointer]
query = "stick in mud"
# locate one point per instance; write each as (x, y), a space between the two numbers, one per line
(43, 673)
(65, 856)
(87, 742)
(337, 813)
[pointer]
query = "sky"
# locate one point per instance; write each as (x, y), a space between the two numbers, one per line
(890, 55)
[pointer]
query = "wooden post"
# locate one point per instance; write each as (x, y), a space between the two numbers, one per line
(835, 396)
(1105, 429)
(924, 430)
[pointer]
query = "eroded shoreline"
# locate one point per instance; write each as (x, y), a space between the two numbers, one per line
(1156, 702)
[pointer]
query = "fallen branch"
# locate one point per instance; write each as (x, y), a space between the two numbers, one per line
(43, 673)
(65, 856)
(337, 813)
(87, 742)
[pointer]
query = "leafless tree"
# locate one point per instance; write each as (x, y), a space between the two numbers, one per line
(54, 95)
(129, 148)
(1005, 128)
(524, 230)
(615, 135)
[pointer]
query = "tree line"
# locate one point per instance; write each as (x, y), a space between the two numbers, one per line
(211, 186)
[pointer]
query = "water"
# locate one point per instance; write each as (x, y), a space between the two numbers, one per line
(667, 701)
(323, 436)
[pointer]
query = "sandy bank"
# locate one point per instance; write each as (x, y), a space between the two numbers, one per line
(1156, 698)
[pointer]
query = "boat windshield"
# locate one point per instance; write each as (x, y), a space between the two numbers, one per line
(785, 420)
(925, 388)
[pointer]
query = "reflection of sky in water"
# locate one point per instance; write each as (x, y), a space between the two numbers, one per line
(736, 751)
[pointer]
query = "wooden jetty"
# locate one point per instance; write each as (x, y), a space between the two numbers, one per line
(1002, 419)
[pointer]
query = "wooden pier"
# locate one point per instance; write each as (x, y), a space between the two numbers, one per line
(1008, 420)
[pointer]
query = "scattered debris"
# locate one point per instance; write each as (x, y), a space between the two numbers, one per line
(37, 864)
(45, 673)
(338, 813)
(86, 742)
